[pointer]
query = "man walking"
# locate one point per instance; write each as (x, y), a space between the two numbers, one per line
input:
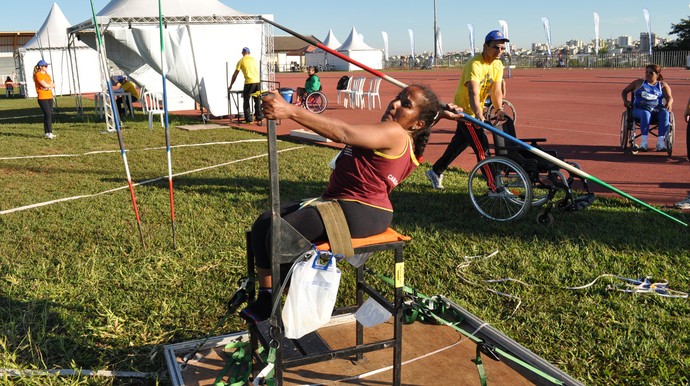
(481, 77)
(252, 83)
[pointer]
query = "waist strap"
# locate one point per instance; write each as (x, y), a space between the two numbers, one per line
(336, 227)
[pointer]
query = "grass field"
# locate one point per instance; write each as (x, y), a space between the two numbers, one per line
(79, 291)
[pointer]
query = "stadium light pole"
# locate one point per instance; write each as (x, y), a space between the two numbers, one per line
(435, 33)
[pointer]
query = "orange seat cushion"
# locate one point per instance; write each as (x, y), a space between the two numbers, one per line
(388, 236)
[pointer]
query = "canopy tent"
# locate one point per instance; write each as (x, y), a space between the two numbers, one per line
(355, 48)
(319, 57)
(202, 39)
(51, 43)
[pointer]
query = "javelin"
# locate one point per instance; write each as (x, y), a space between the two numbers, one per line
(540, 153)
(108, 87)
(167, 125)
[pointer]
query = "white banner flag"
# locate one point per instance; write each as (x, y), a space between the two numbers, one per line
(649, 28)
(596, 33)
(385, 44)
(471, 28)
(409, 31)
(504, 29)
(439, 42)
(547, 31)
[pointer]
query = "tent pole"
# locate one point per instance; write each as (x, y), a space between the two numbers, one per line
(74, 74)
(52, 71)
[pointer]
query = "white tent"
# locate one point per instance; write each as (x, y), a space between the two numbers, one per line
(355, 48)
(203, 40)
(319, 57)
(51, 44)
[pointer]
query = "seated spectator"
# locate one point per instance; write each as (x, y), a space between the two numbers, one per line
(126, 85)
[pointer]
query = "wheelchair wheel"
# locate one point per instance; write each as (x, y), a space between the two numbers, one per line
(509, 195)
(545, 218)
(671, 134)
(316, 102)
(508, 109)
(627, 139)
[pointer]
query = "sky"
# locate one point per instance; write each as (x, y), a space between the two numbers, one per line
(568, 19)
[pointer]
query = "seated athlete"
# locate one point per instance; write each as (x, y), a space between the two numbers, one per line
(377, 157)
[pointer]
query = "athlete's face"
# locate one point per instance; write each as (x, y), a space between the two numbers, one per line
(405, 108)
(650, 75)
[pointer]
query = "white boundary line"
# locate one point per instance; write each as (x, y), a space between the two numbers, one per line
(46, 203)
(26, 116)
(117, 151)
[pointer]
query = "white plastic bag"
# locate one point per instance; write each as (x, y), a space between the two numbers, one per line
(312, 295)
(372, 313)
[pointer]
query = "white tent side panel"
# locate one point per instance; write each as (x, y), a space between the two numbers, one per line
(371, 58)
(320, 58)
(60, 71)
(118, 49)
(201, 58)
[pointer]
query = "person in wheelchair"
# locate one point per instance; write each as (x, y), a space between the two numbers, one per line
(651, 102)
(377, 157)
(312, 84)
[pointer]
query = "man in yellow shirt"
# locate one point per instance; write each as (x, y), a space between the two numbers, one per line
(252, 85)
(481, 77)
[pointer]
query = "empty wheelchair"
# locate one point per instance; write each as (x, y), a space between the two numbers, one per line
(504, 186)
(629, 132)
(490, 111)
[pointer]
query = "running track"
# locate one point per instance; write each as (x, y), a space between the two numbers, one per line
(577, 110)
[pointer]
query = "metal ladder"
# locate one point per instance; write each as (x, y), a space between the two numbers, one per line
(111, 117)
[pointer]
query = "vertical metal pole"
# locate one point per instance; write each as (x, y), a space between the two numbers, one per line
(274, 191)
(435, 34)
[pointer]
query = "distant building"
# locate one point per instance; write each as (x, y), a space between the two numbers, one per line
(9, 42)
(646, 42)
(624, 41)
(575, 43)
(289, 52)
(539, 47)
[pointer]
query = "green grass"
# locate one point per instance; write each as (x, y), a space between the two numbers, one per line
(79, 291)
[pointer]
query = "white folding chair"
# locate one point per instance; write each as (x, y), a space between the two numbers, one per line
(355, 96)
(374, 84)
(346, 90)
(153, 102)
(143, 105)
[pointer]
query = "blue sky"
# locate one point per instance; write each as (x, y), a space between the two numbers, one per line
(568, 20)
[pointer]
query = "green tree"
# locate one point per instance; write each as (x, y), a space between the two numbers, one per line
(682, 30)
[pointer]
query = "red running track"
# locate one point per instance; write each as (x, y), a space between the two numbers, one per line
(577, 110)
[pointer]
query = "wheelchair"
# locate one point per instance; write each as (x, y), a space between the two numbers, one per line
(519, 180)
(316, 101)
(629, 126)
(490, 112)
